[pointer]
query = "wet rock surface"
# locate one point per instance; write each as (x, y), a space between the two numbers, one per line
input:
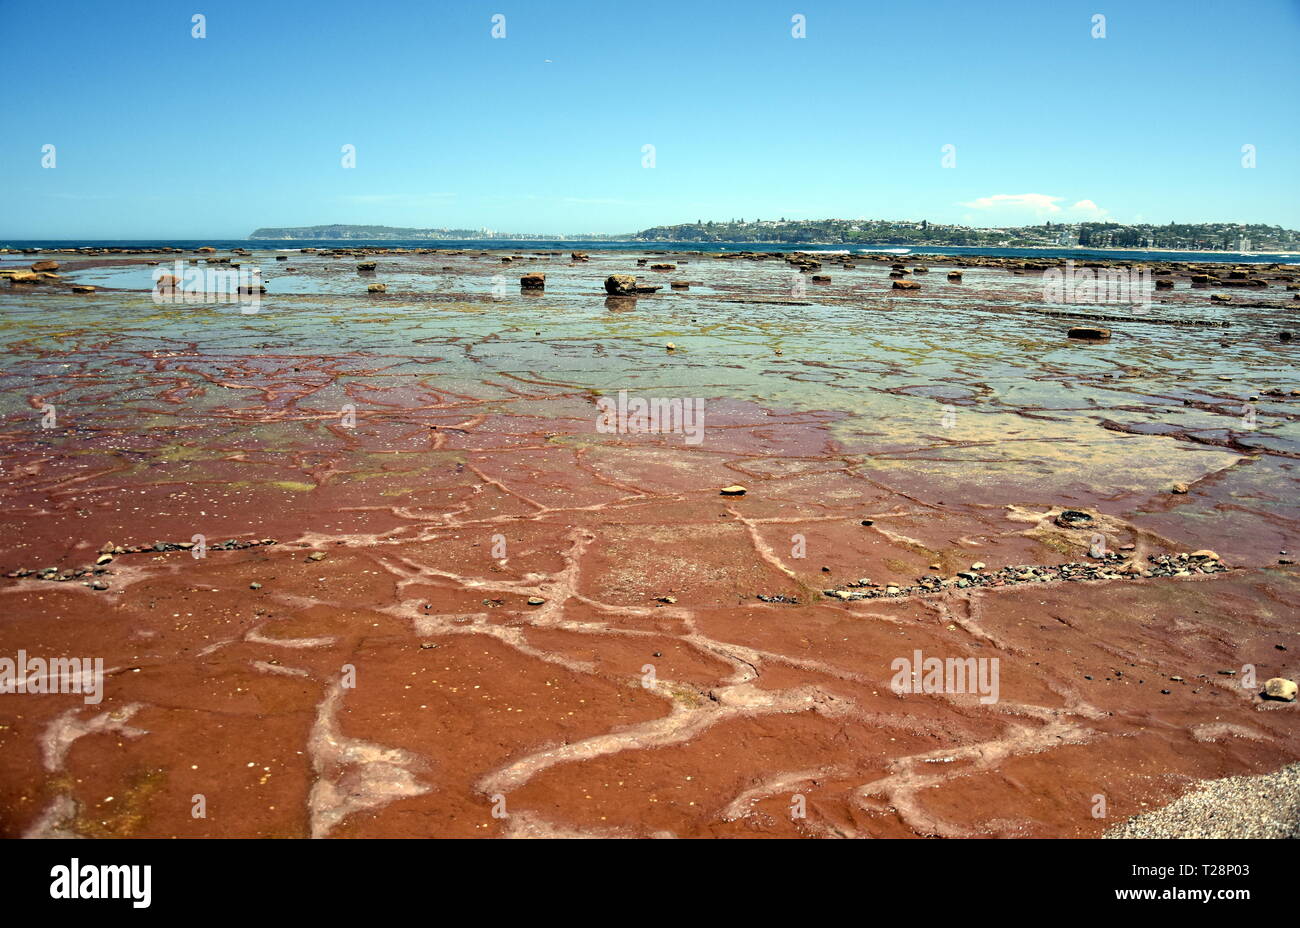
(499, 571)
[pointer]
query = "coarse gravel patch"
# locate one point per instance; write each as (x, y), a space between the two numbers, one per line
(1265, 806)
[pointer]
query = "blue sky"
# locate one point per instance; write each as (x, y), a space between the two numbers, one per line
(161, 135)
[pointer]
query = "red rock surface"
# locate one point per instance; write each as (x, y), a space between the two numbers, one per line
(404, 685)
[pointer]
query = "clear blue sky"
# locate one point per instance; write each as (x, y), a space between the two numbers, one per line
(162, 135)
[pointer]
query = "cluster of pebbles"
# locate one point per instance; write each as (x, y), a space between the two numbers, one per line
(1234, 807)
(63, 576)
(1109, 566)
(93, 576)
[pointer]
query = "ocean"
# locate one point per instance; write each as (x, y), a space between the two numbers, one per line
(520, 245)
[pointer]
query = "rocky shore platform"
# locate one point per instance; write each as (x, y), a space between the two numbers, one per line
(378, 562)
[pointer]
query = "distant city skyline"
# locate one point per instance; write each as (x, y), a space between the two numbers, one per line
(603, 118)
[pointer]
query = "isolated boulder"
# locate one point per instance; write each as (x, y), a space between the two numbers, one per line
(1073, 518)
(1093, 333)
(1280, 688)
(620, 284)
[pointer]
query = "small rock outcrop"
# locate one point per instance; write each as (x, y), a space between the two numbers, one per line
(1092, 333)
(620, 284)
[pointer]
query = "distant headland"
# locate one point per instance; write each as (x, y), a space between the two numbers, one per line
(1205, 236)
(394, 233)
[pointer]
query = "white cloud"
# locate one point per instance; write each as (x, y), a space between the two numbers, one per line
(1088, 207)
(1038, 202)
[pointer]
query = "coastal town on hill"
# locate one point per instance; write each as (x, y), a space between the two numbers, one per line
(1203, 236)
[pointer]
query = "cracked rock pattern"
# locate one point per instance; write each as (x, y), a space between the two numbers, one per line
(521, 625)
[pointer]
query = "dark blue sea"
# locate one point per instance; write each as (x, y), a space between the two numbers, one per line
(519, 245)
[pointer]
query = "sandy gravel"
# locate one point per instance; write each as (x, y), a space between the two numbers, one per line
(1266, 806)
